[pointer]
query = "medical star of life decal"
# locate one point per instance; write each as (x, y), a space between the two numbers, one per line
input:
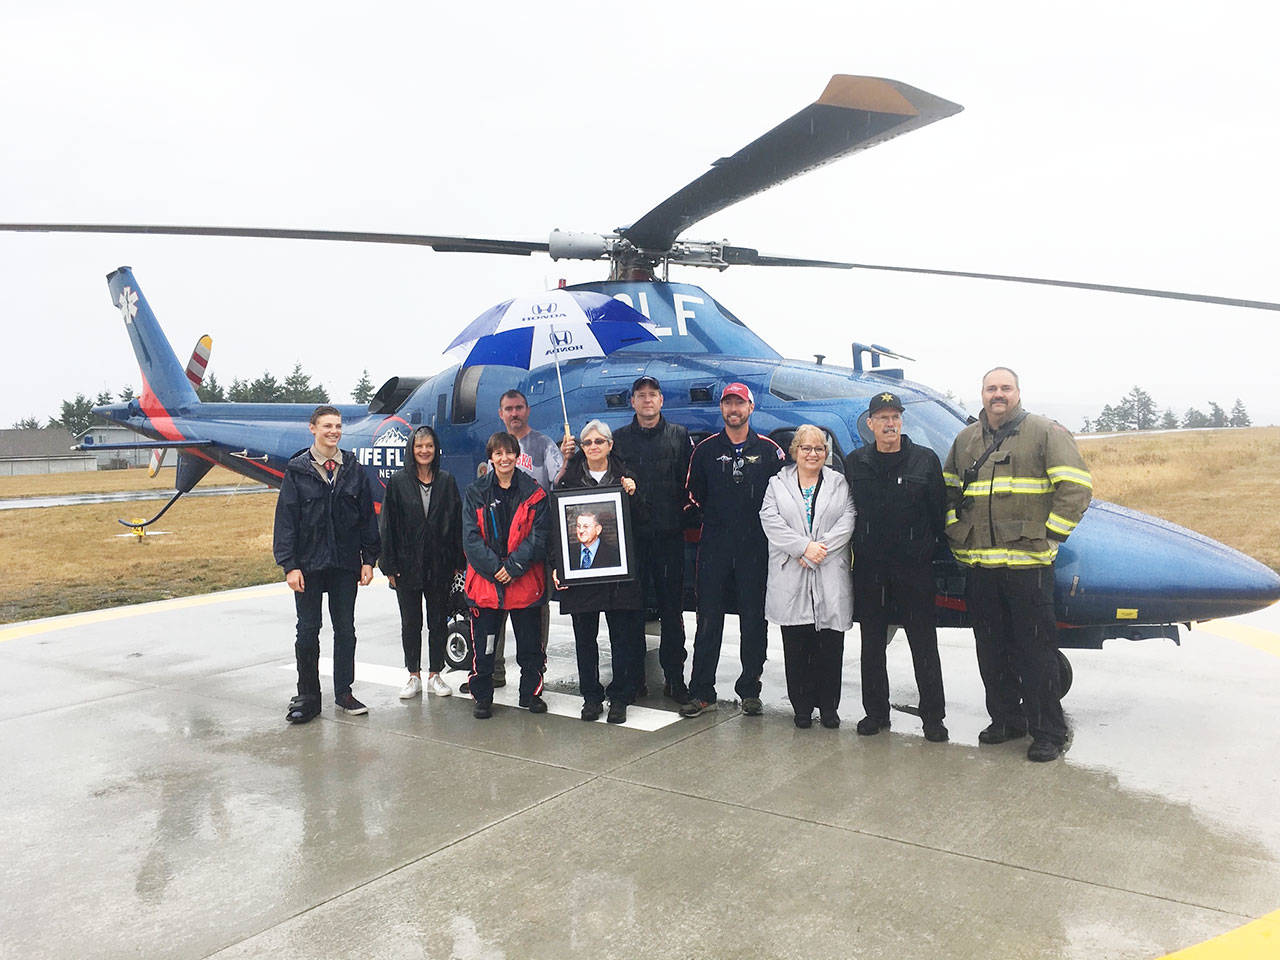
(128, 304)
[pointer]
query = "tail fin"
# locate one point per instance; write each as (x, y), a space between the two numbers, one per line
(163, 378)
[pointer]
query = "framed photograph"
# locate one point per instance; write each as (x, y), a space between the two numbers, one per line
(592, 530)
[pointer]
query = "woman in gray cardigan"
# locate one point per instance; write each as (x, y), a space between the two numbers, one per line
(808, 517)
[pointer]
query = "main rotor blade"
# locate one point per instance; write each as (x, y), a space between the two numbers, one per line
(852, 114)
(1077, 285)
(519, 248)
(748, 257)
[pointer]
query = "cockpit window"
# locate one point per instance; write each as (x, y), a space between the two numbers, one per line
(926, 422)
(789, 383)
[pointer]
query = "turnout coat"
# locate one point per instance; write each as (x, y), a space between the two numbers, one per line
(798, 594)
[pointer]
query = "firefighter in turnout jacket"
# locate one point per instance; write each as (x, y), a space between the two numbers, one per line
(1016, 488)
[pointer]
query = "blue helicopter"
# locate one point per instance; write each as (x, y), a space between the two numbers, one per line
(1121, 575)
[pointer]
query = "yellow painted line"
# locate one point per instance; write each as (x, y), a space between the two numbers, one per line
(35, 627)
(1264, 640)
(1259, 940)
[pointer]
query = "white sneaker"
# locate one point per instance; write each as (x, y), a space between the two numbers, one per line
(437, 686)
(411, 688)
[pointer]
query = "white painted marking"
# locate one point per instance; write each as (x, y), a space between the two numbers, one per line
(560, 704)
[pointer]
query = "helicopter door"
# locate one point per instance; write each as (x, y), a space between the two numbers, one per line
(465, 387)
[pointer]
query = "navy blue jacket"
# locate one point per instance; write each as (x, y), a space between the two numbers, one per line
(319, 527)
(730, 488)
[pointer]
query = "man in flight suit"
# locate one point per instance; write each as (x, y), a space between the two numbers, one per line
(728, 474)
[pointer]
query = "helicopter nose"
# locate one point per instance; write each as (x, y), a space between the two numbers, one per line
(1123, 565)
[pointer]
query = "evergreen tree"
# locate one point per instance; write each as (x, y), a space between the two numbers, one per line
(239, 392)
(1170, 420)
(1217, 416)
(1141, 409)
(103, 398)
(363, 390)
(266, 389)
(1194, 418)
(297, 388)
(210, 391)
(76, 415)
(1087, 426)
(127, 394)
(1239, 418)
(27, 423)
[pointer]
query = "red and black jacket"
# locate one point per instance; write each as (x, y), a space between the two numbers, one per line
(526, 547)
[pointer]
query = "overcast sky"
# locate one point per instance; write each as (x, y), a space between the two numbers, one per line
(1122, 143)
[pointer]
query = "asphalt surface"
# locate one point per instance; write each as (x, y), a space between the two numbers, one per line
(157, 805)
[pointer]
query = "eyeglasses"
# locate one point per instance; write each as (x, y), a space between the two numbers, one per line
(601, 441)
(809, 451)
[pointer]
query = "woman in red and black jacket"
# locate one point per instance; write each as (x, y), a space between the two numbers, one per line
(504, 535)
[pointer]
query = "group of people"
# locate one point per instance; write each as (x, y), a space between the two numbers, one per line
(790, 540)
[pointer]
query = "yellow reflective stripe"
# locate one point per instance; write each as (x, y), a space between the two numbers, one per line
(1070, 475)
(1060, 524)
(950, 479)
(952, 518)
(1001, 557)
(1029, 485)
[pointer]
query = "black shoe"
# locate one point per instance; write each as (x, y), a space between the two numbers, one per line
(465, 688)
(617, 712)
(752, 707)
(302, 709)
(870, 726)
(832, 720)
(534, 704)
(499, 681)
(483, 709)
(676, 691)
(936, 732)
(643, 691)
(1042, 751)
(804, 723)
(349, 704)
(591, 710)
(1000, 732)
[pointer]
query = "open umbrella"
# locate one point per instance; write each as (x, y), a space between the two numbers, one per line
(544, 328)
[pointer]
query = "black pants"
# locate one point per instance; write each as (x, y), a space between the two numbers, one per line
(1017, 642)
(530, 656)
(341, 586)
(661, 563)
(724, 568)
(500, 654)
(626, 650)
(813, 659)
(883, 596)
(412, 600)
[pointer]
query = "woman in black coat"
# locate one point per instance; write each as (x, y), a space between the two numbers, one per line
(621, 602)
(421, 527)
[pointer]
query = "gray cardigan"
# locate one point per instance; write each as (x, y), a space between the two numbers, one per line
(799, 594)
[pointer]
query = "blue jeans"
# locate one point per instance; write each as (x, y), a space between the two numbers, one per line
(341, 586)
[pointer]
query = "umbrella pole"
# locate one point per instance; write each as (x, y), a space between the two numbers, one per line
(563, 409)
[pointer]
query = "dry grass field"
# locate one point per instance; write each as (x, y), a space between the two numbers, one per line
(1225, 484)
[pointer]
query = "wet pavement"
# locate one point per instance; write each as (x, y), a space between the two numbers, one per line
(158, 805)
(124, 496)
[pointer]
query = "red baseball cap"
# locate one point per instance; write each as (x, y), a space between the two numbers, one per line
(739, 390)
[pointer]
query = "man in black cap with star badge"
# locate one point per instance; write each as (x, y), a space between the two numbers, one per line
(901, 499)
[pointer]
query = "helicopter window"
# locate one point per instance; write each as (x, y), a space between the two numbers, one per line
(926, 422)
(465, 386)
(789, 383)
(440, 410)
(616, 399)
(699, 394)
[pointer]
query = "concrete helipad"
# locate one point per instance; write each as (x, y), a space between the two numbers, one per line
(157, 805)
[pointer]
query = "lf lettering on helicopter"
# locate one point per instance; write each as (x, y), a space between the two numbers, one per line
(1120, 574)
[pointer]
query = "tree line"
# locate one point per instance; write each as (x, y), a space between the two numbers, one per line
(76, 415)
(1136, 410)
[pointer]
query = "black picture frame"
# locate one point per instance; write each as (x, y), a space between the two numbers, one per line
(614, 558)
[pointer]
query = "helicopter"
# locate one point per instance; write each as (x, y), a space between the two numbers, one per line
(1122, 574)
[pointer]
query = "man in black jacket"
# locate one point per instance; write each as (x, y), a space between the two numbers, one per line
(728, 474)
(657, 452)
(901, 499)
(326, 541)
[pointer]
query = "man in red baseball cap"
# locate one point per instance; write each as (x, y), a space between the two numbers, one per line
(728, 474)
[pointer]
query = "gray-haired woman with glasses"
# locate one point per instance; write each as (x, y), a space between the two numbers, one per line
(808, 518)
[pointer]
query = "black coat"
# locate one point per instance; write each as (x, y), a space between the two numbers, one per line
(659, 458)
(591, 597)
(421, 551)
(323, 527)
(901, 507)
